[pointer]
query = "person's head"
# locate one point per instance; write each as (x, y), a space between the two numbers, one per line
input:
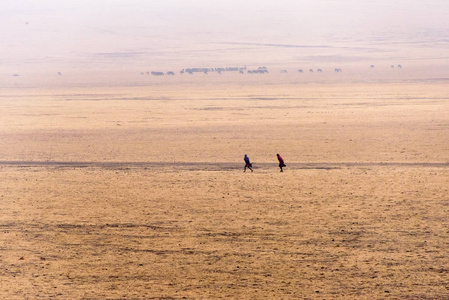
(277, 155)
(246, 155)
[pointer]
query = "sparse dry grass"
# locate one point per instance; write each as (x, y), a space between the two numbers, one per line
(157, 229)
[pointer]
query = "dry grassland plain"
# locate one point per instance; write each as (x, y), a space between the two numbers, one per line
(139, 192)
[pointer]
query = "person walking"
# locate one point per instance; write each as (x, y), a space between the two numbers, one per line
(281, 162)
(247, 164)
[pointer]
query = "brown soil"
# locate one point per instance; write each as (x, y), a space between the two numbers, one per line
(123, 193)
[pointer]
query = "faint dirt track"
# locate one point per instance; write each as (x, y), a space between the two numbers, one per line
(148, 199)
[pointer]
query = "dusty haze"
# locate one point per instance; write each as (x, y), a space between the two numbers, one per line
(84, 40)
(119, 184)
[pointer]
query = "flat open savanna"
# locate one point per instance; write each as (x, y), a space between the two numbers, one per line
(139, 192)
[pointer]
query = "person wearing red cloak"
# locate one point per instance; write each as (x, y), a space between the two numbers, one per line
(281, 162)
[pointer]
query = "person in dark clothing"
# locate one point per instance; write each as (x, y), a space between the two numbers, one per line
(281, 162)
(247, 163)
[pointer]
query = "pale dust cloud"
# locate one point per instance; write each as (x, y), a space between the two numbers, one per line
(127, 37)
(120, 180)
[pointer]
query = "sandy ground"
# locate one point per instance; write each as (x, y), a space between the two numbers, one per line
(139, 192)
